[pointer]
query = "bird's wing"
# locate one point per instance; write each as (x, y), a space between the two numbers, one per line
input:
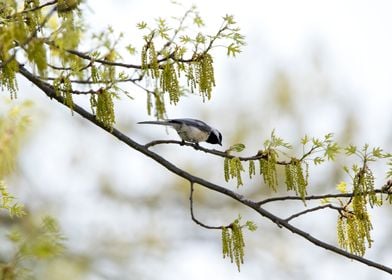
(165, 122)
(192, 122)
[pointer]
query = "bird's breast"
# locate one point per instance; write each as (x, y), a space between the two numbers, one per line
(192, 134)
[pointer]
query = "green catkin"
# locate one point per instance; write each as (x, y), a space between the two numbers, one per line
(226, 169)
(252, 169)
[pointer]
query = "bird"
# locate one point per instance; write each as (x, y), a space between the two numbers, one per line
(191, 130)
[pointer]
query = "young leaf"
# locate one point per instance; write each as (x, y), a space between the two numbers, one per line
(236, 147)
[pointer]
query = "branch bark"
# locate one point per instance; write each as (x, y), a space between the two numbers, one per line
(49, 91)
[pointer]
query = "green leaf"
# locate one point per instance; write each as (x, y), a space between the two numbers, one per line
(233, 49)
(200, 38)
(318, 160)
(317, 142)
(229, 19)
(328, 137)
(185, 39)
(236, 147)
(305, 140)
(198, 21)
(350, 150)
(251, 225)
(332, 150)
(377, 152)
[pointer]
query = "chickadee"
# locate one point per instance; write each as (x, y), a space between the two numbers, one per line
(192, 130)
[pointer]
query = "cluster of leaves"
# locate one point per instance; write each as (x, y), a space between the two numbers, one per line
(43, 242)
(170, 57)
(275, 154)
(233, 241)
(169, 54)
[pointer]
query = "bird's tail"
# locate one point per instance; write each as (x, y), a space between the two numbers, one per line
(155, 122)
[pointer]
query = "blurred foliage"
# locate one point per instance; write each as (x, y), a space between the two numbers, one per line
(31, 250)
(7, 202)
(13, 126)
(37, 244)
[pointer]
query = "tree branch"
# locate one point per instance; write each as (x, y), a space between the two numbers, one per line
(296, 215)
(38, 7)
(49, 91)
(223, 154)
(316, 197)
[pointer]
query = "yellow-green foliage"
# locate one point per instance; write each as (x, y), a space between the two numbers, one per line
(36, 53)
(41, 243)
(160, 109)
(150, 63)
(233, 243)
(363, 185)
(252, 169)
(204, 75)
(95, 74)
(354, 232)
(200, 75)
(63, 87)
(232, 169)
(169, 82)
(103, 107)
(66, 6)
(268, 169)
(8, 78)
(12, 129)
(70, 35)
(296, 178)
(7, 202)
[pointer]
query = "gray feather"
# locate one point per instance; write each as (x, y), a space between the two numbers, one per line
(156, 122)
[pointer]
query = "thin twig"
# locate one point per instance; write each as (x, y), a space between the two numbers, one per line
(89, 82)
(38, 7)
(193, 216)
(317, 197)
(296, 215)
